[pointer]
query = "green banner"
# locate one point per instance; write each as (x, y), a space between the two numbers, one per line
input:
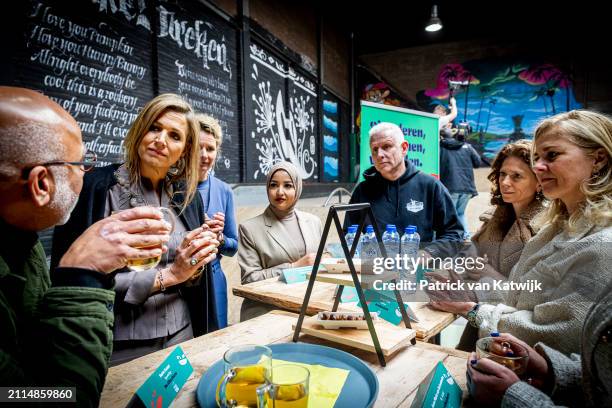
(420, 131)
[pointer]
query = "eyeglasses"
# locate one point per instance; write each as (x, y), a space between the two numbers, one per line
(88, 163)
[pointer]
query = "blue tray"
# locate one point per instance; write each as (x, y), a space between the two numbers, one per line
(360, 388)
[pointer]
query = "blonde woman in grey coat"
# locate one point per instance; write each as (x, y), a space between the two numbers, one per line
(567, 263)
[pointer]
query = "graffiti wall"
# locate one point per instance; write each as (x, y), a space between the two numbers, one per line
(283, 108)
(205, 75)
(501, 100)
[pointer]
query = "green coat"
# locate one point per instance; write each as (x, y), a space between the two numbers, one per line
(50, 336)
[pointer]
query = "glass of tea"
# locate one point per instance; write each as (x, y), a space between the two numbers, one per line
(143, 264)
(288, 388)
(246, 368)
(510, 355)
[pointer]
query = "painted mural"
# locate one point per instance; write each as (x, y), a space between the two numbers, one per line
(500, 101)
(379, 92)
(284, 126)
(331, 115)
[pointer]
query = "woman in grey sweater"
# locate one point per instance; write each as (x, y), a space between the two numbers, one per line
(567, 263)
(552, 378)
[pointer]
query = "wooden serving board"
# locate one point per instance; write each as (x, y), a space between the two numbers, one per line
(390, 337)
(291, 297)
(346, 279)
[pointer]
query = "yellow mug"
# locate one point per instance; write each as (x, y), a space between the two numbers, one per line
(288, 388)
(246, 367)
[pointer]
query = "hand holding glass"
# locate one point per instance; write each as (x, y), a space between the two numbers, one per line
(148, 263)
(510, 355)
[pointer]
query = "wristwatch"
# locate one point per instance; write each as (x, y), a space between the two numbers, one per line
(472, 316)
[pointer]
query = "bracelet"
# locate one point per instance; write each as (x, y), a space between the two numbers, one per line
(473, 318)
(160, 279)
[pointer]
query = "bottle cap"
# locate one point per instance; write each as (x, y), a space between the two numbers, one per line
(411, 229)
(369, 229)
(352, 229)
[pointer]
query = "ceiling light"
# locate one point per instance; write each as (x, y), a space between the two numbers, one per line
(434, 23)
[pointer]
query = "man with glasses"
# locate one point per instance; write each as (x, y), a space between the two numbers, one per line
(57, 333)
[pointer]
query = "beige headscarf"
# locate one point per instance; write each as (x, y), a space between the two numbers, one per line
(294, 174)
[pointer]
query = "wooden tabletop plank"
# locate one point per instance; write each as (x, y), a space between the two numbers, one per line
(397, 382)
(290, 297)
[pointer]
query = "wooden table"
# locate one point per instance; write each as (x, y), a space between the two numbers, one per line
(398, 381)
(290, 297)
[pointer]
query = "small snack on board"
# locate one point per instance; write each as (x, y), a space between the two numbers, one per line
(344, 320)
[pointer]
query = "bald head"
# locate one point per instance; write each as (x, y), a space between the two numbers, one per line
(33, 129)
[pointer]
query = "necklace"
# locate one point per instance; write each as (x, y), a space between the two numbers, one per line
(131, 195)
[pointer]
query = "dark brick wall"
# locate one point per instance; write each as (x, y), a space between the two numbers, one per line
(294, 23)
(229, 6)
(336, 58)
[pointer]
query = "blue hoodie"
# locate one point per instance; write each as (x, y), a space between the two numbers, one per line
(415, 198)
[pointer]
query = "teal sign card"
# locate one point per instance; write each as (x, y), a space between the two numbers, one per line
(390, 312)
(160, 389)
(438, 390)
(349, 295)
(383, 302)
(295, 275)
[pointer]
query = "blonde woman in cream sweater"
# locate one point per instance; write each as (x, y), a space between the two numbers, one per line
(571, 255)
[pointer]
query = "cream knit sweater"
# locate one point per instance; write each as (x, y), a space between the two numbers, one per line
(572, 268)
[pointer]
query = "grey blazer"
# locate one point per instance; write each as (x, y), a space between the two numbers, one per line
(265, 247)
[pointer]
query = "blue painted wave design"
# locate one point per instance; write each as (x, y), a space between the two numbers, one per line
(330, 166)
(330, 125)
(330, 143)
(330, 106)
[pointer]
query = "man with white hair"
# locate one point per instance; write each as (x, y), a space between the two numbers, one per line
(400, 194)
(57, 333)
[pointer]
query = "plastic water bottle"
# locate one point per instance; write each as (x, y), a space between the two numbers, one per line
(391, 240)
(350, 237)
(369, 246)
(410, 248)
(358, 249)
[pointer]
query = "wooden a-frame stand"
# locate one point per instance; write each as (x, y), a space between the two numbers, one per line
(365, 212)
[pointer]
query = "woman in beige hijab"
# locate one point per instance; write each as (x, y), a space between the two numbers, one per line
(281, 237)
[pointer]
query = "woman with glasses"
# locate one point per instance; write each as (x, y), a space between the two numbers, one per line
(218, 201)
(170, 303)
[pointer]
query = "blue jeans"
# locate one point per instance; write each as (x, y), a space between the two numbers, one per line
(460, 200)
